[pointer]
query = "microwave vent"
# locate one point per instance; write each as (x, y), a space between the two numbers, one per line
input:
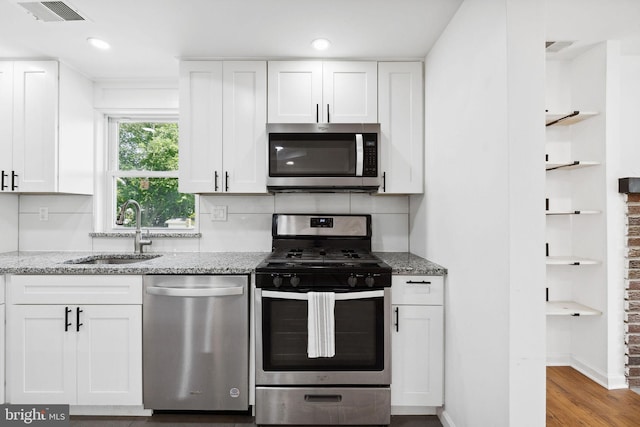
(52, 11)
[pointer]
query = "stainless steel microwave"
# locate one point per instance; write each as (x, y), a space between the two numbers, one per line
(323, 157)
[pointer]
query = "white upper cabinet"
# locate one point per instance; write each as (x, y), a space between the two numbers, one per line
(322, 92)
(222, 127)
(46, 141)
(200, 126)
(244, 137)
(400, 99)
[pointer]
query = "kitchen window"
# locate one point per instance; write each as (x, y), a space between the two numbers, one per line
(143, 165)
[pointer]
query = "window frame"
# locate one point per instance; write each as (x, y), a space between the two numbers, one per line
(112, 172)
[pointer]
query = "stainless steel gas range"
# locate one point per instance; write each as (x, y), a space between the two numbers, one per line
(322, 324)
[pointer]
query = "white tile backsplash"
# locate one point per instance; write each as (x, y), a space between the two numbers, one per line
(238, 204)
(390, 232)
(336, 203)
(8, 222)
(247, 228)
(364, 203)
(56, 204)
(60, 232)
(239, 233)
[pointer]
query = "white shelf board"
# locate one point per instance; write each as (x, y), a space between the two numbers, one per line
(569, 308)
(582, 115)
(569, 260)
(568, 165)
(576, 212)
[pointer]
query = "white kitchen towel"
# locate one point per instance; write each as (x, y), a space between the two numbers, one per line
(321, 335)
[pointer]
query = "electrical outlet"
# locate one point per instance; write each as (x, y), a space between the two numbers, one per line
(218, 213)
(43, 214)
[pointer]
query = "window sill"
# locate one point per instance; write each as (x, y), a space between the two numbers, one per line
(152, 234)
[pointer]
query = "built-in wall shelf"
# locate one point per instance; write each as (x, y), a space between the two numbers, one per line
(576, 212)
(575, 164)
(567, 118)
(569, 260)
(569, 308)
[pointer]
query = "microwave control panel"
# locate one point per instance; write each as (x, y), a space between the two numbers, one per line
(370, 156)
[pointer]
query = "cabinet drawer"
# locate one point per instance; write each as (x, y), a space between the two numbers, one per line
(417, 290)
(81, 289)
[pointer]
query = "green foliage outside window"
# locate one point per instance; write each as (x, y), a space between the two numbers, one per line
(152, 147)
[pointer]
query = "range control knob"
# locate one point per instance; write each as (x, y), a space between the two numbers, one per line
(369, 281)
(352, 281)
(295, 281)
(277, 281)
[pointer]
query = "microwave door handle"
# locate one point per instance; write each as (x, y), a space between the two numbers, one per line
(359, 154)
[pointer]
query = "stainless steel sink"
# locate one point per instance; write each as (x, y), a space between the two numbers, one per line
(112, 259)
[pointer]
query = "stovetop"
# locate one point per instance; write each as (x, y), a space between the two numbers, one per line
(328, 251)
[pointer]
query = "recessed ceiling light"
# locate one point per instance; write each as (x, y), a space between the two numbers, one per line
(321, 44)
(98, 43)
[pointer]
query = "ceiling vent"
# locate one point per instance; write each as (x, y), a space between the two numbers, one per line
(553, 47)
(51, 11)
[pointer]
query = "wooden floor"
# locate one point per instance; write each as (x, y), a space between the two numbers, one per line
(575, 400)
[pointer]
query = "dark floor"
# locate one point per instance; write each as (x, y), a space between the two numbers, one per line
(188, 420)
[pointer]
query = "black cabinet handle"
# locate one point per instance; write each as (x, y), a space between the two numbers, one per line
(317, 113)
(3, 186)
(226, 181)
(14, 177)
(422, 282)
(328, 119)
(397, 324)
(78, 324)
(67, 310)
(384, 182)
(215, 180)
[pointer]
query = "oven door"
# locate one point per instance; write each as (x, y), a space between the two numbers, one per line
(362, 340)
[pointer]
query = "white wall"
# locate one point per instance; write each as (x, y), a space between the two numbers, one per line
(482, 215)
(8, 222)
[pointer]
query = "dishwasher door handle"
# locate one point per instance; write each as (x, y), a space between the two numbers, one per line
(195, 292)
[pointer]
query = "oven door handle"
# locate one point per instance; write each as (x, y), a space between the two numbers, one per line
(359, 155)
(195, 292)
(302, 296)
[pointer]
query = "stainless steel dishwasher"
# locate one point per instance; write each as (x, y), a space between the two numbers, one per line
(196, 343)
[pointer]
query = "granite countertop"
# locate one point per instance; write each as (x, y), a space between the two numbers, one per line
(408, 263)
(181, 263)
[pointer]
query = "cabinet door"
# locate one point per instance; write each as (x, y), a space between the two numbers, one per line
(6, 124)
(244, 133)
(417, 356)
(200, 124)
(349, 92)
(2, 355)
(41, 355)
(35, 125)
(401, 126)
(295, 91)
(109, 361)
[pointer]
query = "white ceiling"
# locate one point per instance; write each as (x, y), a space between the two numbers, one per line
(149, 36)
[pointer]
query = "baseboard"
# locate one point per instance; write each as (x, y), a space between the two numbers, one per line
(609, 382)
(445, 419)
(107, 410)
(413, 410)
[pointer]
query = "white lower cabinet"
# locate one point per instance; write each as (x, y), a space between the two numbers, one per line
(2, 335)
(417, 344)
(81, 353)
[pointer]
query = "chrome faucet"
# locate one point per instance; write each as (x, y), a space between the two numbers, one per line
(139, 242)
